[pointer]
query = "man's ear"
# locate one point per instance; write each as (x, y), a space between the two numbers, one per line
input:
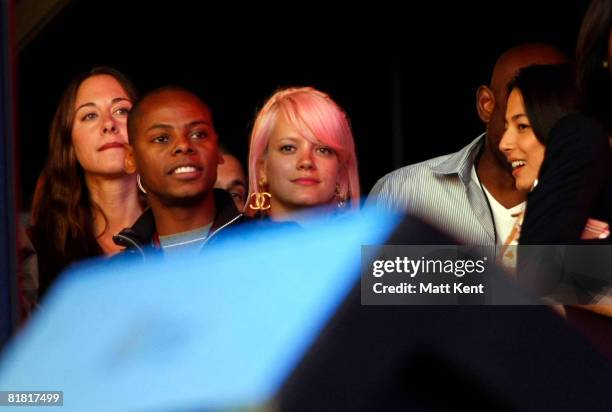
(220, 158)
(485, 103)
(129, 161)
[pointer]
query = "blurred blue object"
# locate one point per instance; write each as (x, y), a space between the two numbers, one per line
(214, 331)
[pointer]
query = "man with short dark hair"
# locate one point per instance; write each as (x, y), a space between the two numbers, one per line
(173, 148)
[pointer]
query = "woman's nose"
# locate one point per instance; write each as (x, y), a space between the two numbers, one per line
(306, 161)
(507, 142)
(109, 125)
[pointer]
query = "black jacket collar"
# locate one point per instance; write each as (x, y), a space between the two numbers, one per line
(143, 230)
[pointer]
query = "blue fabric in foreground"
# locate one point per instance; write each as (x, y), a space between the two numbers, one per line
(218, 330)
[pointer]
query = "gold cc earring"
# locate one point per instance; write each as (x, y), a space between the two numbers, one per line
(260, 200)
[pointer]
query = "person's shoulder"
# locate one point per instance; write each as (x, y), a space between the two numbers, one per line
(416, 169)
(139, 234)
(577, 123)
(394, 190)
(577, 119)
(409, 174)
(575, 134)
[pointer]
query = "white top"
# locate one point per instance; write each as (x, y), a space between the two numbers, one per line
(504, 219)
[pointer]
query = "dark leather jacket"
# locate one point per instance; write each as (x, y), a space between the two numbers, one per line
(138, 239)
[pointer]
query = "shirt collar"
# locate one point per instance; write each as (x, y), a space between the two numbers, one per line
(461, 162)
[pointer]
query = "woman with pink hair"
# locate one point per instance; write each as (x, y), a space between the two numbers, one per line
(301, 156)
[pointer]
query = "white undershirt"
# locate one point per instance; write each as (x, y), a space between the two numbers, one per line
(504, 219)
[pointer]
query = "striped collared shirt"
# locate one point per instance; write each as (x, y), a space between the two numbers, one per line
(441, 192)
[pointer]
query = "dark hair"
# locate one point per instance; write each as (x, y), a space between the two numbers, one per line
(224, 150)
(62, 207)
(135, 113)
(594, 81)
(549, 93)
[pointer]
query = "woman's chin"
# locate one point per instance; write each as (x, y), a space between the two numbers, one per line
(524, 187)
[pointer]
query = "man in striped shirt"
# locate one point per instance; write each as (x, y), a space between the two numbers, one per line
(469, 194)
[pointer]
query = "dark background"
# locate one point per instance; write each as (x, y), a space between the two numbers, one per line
(407, 72)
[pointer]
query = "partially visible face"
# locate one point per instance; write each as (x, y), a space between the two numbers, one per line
(299, 173)
(99, 130)
(231, 177)
(175, 148)
(522, 149)
(505, 70)
(610, 52)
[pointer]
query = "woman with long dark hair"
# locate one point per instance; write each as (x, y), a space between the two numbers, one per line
(572, 204)
(84, 195)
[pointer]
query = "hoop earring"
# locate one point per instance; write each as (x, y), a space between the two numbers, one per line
(139, 183)
(340, 198)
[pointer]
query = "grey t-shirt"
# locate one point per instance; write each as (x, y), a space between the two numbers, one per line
(190, 241)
